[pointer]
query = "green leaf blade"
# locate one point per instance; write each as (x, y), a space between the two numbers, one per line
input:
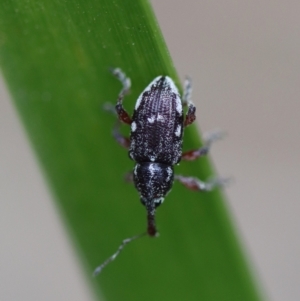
(55, 57)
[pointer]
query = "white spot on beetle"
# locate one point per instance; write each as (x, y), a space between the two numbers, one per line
(170, 173)
(133, 126)
(178, 105)
(160, 117)
(158, 200)
(151, 169)
(178, 131)
(151, 119)
(152, 159)
(174, 90)
(138, 102)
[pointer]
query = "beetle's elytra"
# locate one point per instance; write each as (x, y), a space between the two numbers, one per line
(155, 143)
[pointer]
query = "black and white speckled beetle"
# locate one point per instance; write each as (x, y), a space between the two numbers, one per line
(155, 144)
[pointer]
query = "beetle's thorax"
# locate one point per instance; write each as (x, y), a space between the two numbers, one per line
(153, 181)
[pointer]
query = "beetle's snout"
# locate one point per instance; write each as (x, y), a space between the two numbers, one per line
(150, 206)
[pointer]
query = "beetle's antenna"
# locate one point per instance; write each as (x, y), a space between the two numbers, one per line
(126, 241)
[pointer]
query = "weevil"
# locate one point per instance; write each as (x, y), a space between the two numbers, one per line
(155, 144)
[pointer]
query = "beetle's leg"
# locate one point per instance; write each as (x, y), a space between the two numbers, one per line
(186, 100)
(122, 140)
(187, 92)
(121, 76)
(202, 151)
(110, 108)
(195, 184)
